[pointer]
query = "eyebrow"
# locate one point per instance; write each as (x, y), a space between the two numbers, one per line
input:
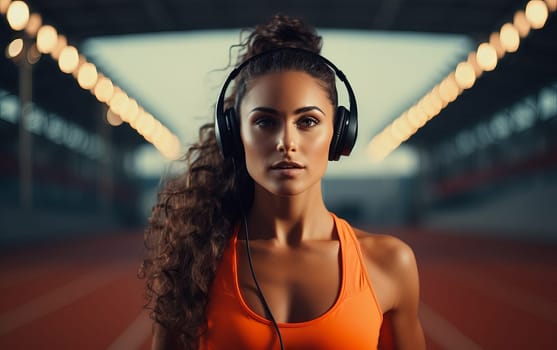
(298, 111)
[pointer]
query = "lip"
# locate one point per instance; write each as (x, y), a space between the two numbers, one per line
(286, 165)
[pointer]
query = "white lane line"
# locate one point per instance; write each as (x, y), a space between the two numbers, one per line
(56, 299)
(135, 335)
(443, 333)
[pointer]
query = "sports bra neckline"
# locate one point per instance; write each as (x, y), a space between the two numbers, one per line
(329, 311)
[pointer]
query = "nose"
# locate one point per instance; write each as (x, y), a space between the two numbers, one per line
(287, 139)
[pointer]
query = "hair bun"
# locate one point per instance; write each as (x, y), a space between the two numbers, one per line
(282, 31)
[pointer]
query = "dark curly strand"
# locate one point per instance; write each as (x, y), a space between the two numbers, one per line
(193, 220)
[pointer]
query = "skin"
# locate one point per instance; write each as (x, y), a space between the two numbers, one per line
(287, 116)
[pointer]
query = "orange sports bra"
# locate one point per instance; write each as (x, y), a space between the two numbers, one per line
(353, 322)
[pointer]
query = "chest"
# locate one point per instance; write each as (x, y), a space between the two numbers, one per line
(299, 284)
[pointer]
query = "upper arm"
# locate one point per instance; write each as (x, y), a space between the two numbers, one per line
(401, 324)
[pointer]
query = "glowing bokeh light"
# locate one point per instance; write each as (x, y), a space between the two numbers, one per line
(495, 42)
(61, 43)
(159, 128)
(155, 129)
(478, 71)
(33, 25)
(133, 121)
(551, 5)
(113, 118)
(104, 89)
(414, 118)
(374, 151)
(486, 57)
(169, 146)
(448, 89)
(119, 102)
(536, 13)
(521, 23)
(87, 75)
(145, 123)
(465, 75)
(18, 15)
(131, 112)
(404, 125)
(155, 135)
(436, 97)
(81, 61)
(69, 59)
(14, 48)
(428, 105)
(509, 37)
(33, 54)
(47, 38)
(435, 102)
(4, 4)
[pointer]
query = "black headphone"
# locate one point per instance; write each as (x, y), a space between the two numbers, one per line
(227, 128)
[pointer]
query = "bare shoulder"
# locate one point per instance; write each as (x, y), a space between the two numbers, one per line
(387, 252)
(391, 265)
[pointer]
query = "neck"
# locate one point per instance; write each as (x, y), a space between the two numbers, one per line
(289, 219)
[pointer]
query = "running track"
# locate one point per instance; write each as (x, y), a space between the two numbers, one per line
(477, 293)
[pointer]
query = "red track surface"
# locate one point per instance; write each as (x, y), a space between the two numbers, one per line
(476, 294)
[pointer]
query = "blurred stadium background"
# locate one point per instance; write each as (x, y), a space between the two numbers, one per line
(472, 152)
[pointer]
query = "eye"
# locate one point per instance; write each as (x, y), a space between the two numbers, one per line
(265, 122)
(307, 122)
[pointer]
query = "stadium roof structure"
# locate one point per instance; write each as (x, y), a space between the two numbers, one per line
(532, 67)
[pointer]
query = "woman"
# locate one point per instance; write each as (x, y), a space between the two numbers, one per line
(242, 252)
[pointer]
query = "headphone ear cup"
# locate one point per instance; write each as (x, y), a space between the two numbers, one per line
(350, 133)
(237, 147)
(227, 133)
(335, 149)
(222, 133)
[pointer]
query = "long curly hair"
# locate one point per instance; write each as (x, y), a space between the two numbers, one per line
(193, 220)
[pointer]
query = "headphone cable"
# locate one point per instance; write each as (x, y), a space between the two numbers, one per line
(237, 174)
(265, 305)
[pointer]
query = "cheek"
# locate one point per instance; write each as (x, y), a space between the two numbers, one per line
(250, 140)
(320, 144)
(254, 149)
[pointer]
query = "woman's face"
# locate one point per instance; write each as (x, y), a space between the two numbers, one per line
(286, 128)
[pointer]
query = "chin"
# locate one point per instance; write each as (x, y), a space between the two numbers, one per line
(287, 192)
(282, 191)
(284, 186)
(285, 189)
